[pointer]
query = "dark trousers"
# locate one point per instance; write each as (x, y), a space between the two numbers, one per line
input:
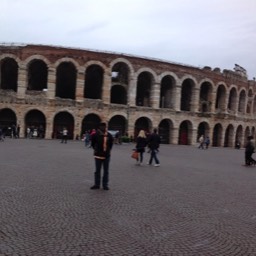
(64, 139)
(248, 158)
(153, 156)
(97, 175)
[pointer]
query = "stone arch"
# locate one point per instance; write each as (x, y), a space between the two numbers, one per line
(63, 119)
(66, 80)
(217, 135)
(167, 92)
(205, 96)
(117, 123)
(93, 83)
(114, 65)
(232, 99)
(187, 94)
(66, 59)
(220, 103)
(9, 74)
(8, 118)
(144, 88)
(142, 123)
(246, 134)
(37, 75)
(239, 135)
(242, 101)
(31, 58)
(203, 129)
(165, 128)
(229, 136)
(185, 133)
(35, 124)
(90, 121)
(11, 56)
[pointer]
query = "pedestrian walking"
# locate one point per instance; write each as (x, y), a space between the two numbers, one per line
(141, 143)
(207, 142)
(201, 142)
(64, 135)
(249, 150)
(101, 142)
(153, 144)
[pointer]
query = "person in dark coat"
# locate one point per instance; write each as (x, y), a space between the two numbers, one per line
(249, 150)
(153, 144)
(141, 143)
(101, 142)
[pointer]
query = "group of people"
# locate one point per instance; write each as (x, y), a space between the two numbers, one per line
(204, 142)
(152, 141)
(102, 142)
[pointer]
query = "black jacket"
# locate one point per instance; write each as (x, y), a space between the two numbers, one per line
(141, 144)
(97, 144)
(154, 141)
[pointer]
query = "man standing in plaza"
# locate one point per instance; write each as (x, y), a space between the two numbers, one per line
(153, 144)
(102, 142)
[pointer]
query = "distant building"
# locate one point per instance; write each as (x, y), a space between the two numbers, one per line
(48, 87)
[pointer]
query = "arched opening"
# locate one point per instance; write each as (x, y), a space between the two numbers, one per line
(120, 73)
(246, 134)
(66, 81)
(118, 95)
(9, 74)
(167, 92)
(117, 123)
(186, 95)
(8, 120)
(239, 136)
(90, 122)
(220, 98)
(143, 123)
(205, 97)
(229, 135)
(61, 120)
(185, 133)
(37, 75)
(203, 129)
(242, 101)
(232, 100)
(143, 93)
(217, 134)
(35, 124)
(164, 130)
(93, 82)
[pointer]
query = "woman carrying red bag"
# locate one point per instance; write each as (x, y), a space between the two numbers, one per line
(141, 143)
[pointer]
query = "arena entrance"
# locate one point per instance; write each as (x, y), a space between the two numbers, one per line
(61, 120)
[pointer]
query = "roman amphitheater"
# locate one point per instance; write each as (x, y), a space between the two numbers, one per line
(50, 87)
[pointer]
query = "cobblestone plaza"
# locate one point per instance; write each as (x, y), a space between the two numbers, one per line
(197, 203)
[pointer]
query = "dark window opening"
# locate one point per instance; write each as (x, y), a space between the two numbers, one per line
(93, 82)
(9, 74)
(66, 81)
(37, 75)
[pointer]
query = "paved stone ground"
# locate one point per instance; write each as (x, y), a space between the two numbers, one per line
(198, 202)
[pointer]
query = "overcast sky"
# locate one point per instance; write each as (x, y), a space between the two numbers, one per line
(215, 33)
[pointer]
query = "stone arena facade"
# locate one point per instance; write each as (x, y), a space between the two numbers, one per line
(50, 87)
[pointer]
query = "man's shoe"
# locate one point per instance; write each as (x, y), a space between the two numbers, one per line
(95, 187)
(157, 165)
(106, 188)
